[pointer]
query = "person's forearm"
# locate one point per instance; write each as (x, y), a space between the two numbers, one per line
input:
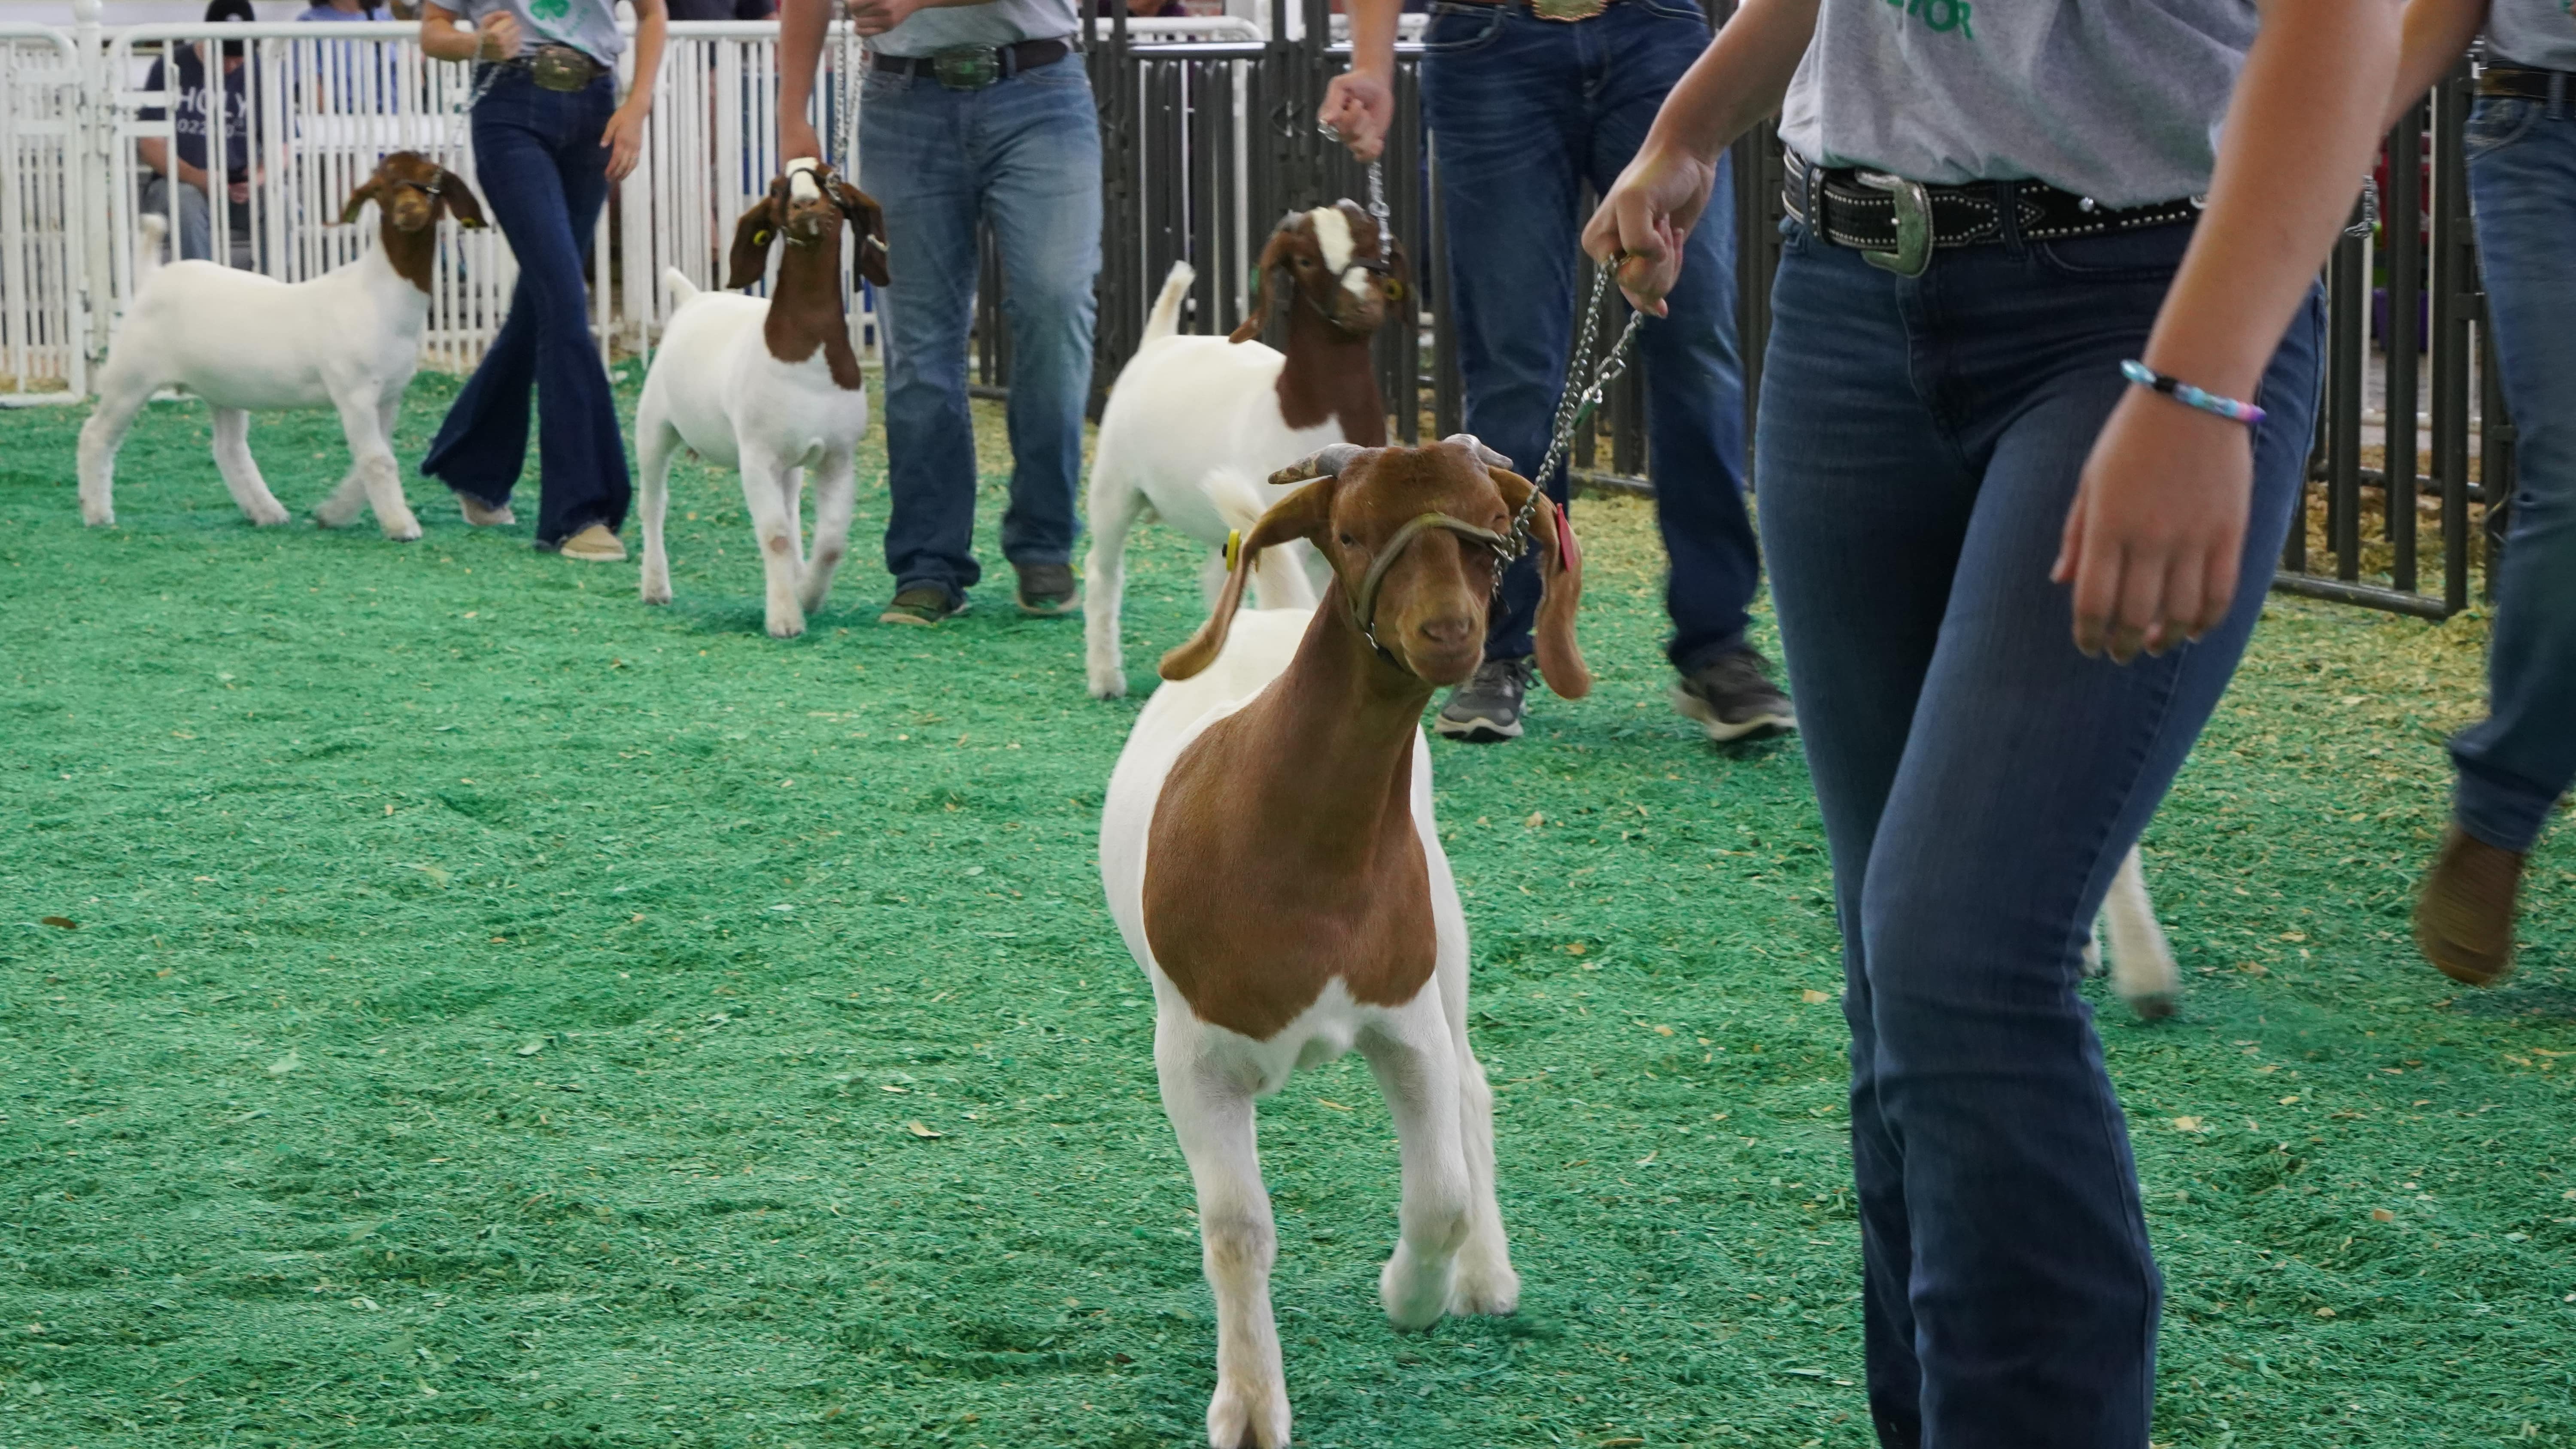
(652, 30)
(801, 24)
(1373, 26)
(442, 39)
(2438, 33)
(1738, 80)
(2301, 131)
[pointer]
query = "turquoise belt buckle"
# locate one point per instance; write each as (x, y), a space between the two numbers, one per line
(966, 67)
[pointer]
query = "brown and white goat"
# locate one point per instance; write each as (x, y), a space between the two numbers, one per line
(1270, 856)
(245, 343)
(771, 388)
(1195, 424)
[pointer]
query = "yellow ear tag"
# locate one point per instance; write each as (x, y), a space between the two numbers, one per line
(1233, 548)
(760, 238)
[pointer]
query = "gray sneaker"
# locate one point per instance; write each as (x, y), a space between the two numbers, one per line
(1733, 698)
(1486, 710)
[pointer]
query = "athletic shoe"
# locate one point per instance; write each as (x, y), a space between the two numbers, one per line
(482, 514)
(1045, 589)
(1733, 698)
(2464, 920)
(1486, 710)
(594, 544)
(923, 605)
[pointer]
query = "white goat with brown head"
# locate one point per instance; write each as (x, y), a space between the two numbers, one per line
(1270, 856)
(1195, 424)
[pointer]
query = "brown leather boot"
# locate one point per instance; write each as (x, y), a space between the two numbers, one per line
(2464, 920)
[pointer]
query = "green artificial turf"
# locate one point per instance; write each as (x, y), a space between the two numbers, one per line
(499, 1013)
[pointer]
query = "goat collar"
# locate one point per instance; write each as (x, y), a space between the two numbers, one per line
(1364, 604)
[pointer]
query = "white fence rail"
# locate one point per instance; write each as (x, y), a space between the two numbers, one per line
(44, 322)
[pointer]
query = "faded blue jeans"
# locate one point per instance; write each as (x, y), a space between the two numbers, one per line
(1918, 446)
(538, 159)
(1523, 113)
(1023, 153)
(2519, 762)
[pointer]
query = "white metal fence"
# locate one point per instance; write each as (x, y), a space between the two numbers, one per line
(43, 315)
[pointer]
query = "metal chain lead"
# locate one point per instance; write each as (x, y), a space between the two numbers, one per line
(844, 115)
(2369, 220)
(1577, 403)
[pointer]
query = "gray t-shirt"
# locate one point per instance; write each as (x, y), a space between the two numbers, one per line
(996, 22)
(2540, 34)
(2119, 100)
(589, 26)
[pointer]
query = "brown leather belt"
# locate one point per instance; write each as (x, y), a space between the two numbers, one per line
(2526, 83)
(973, 67)
(1897, 224)
(1567, 11)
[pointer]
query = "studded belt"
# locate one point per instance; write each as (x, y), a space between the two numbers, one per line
(1897, 224)
(2526, 83)
(1567, 11)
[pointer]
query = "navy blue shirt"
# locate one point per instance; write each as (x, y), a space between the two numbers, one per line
(191, 121)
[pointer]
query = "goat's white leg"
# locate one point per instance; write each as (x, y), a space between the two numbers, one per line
(655, 442)
(774, 524)
(1114, 511)
(121, 394)
(1485, 1282)
(1417, 1067)
(836, 497)
(1237, 1245)
(373, 470)
(241, 472)
(2142, 963)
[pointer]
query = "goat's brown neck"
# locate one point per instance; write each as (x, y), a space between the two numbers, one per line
(1334, 737)
(805, 310)
(1329, 374)
(412, 254)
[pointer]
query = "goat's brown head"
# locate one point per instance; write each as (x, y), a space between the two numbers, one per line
(806, 208)
(1334, 260)
(413, 192)
(1415, 537)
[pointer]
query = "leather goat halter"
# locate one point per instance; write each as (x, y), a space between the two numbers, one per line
(1364, 605)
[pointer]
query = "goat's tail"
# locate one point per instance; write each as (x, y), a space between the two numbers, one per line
(682, 290)
(147, 257)
(1165, 319)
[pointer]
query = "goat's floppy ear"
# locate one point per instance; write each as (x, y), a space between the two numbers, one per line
(367, 191)
(868, 220)
(459, 200)
(749, 257)
(1302, 514)
(1560, 571)
(1273, 257)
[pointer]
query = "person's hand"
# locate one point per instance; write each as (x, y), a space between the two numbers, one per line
(876, 17)
(239, 191)
(2151, 546)
(624, 138)
(1360, 106)
(496, 36)
(1644, 220)
(796, 138)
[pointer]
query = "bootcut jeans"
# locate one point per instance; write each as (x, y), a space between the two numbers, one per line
(1980, 780)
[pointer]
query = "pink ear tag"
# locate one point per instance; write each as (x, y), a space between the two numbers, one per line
(1569, 554)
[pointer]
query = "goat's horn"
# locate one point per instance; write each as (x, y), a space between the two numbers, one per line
(1476, 445)
(1324, 463)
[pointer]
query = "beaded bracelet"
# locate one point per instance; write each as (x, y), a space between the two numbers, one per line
(2189, 396)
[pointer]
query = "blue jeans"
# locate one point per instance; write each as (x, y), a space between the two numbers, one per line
(1025, 154)
(1522, 113)
(2519, 762)
(544, 175)
(1919, 444)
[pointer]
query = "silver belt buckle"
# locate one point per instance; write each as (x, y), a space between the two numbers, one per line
(1913, 204)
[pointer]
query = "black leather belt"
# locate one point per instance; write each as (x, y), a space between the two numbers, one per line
(2528, 84)
(1567, 11)
(973, 67)
(1897, 224)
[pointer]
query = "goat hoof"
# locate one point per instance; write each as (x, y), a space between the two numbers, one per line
(1109, 684)
(786, 628)
(100, 519)
(1485, 1290)
(2154, 1005)
(403, 533)
(657, 591)
(1246, 1416)
(269, 517)
(1414, 1298)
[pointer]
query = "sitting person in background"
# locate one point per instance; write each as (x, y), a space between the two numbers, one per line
(722, 9)
(179, 186)
(348, 10)
(2516, 765)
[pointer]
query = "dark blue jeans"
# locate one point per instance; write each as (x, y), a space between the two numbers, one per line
(1024, 154)
(1523, 113)
(544, 175)
(2518, 763)
(1919, 444)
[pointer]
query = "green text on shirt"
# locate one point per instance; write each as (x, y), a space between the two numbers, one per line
(1944, 16)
